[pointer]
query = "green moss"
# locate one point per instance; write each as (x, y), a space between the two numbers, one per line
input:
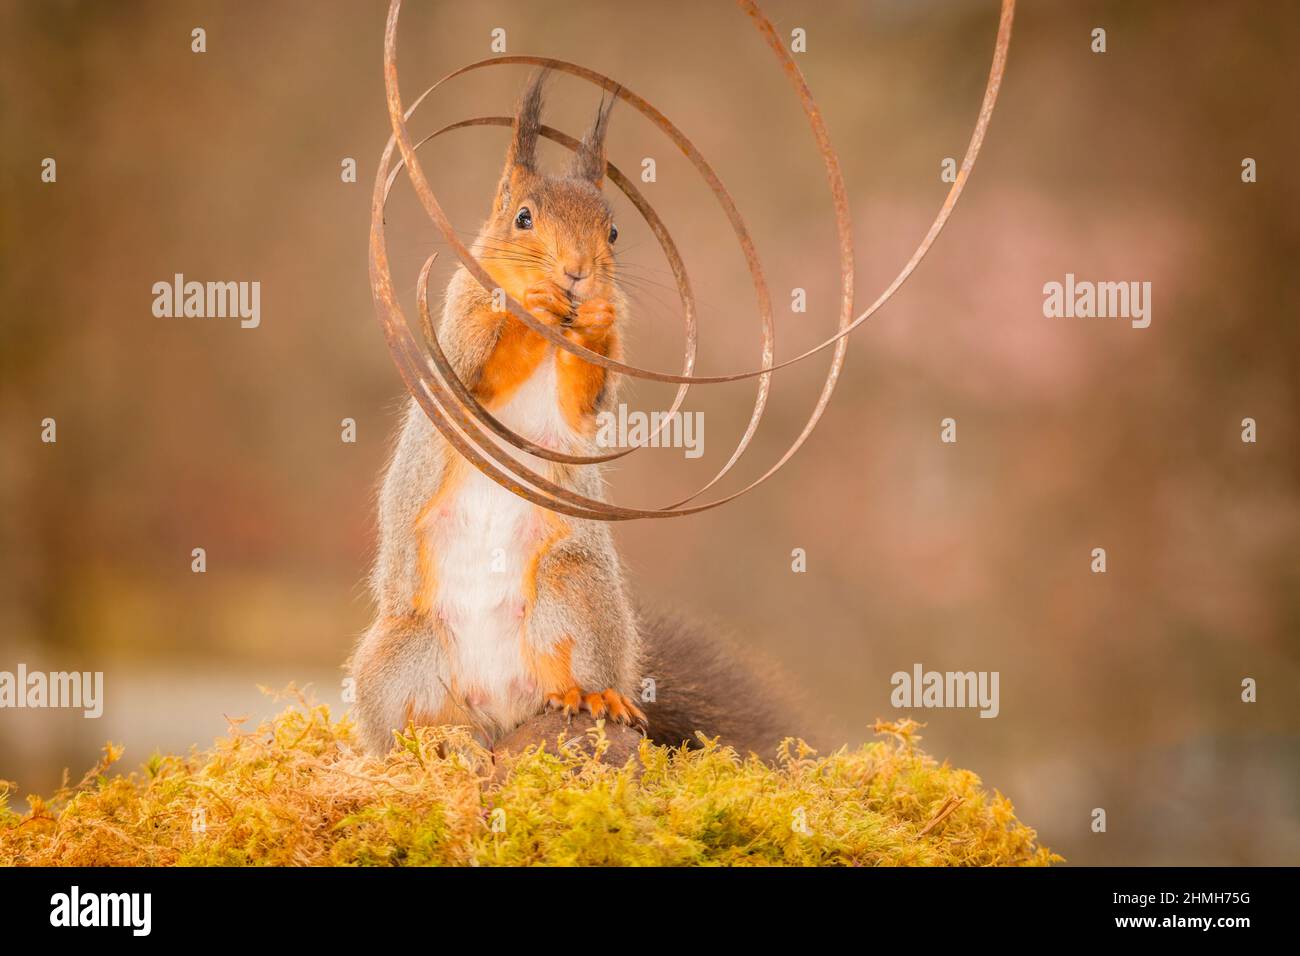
(296, 792)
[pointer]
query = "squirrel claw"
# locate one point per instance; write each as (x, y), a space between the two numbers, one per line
(622, 709)
(548, 302)
(594, 315)
(609, 703)
(570, 701)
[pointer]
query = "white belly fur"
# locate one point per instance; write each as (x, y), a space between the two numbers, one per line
(483, 539)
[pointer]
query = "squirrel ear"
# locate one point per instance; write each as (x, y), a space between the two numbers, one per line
(589, 160)
(523, 137)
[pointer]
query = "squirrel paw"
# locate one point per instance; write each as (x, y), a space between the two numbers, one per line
(594, 315)
(617, 706)
(548, 302)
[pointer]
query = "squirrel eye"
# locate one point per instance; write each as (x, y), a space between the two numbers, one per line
(613, 234)
(525, 219)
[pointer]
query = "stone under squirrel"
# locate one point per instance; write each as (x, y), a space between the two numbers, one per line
(489, 608)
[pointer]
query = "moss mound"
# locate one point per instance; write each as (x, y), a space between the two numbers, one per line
(296, 792)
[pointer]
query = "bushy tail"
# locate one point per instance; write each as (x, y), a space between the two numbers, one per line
(707, 683)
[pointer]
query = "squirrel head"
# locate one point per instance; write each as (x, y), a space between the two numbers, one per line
(551, 227)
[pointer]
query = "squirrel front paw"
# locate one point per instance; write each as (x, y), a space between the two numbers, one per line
(548, 302)
(610, 702)
(590, 320)
(595, 316)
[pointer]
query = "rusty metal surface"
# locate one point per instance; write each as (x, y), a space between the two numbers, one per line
(470, 428)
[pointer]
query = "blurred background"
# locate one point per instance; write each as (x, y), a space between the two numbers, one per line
(1118, 690)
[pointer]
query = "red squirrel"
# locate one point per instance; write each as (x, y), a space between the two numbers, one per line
(491, 609)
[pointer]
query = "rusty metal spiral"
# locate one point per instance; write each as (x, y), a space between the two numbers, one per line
(470, 428)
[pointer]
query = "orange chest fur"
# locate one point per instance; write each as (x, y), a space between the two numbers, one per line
(516, 358)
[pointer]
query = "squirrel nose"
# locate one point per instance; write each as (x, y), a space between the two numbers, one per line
(576, 268)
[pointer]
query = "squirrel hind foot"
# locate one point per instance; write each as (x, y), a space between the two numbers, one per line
(607, 703)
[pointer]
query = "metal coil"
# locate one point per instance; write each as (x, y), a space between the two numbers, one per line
(470, 428)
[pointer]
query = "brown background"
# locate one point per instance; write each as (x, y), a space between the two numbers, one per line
(1118, 691)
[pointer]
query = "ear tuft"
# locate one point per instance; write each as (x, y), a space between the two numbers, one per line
(528, 120)
(522, 153)
(589, 160)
